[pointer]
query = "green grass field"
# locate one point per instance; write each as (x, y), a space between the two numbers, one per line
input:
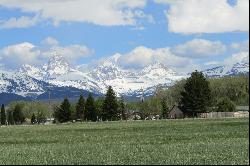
(199, 141)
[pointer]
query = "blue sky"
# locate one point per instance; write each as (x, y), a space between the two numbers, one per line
(162, 30)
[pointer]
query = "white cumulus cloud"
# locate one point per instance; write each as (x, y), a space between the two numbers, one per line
(14, 56)
(142, 56)
(206, 16)
(241, 57)
(200, 48)
(22, 22)
(50, 41)
(99, 12)
(71, 52)
(240, 46)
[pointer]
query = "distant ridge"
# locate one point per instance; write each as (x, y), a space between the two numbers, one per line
(33, 83)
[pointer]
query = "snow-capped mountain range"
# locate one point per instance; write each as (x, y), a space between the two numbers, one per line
(221, 71)
(125, 82)
(32, 81)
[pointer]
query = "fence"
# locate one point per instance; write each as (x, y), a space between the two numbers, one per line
(238, 114)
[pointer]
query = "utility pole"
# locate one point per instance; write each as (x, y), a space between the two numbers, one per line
(49, 96)
(157, 90)
(142, 96)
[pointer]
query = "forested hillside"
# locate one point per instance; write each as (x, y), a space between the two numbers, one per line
(235, 89)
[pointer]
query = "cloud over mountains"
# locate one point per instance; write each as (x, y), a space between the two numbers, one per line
(203, 16)
(182, 58)
(14, 56)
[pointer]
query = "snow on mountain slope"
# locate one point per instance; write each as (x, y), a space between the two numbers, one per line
(235, 65)
(58, 72)
(239, 68)
(56, 66)
(21, 84)
(128, 83)
(76, 79)
(32, 81)
(215, 72)
(32, 71)
(221, 71)
(108, 72)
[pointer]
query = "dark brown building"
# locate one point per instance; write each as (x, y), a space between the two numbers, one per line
(175, 113)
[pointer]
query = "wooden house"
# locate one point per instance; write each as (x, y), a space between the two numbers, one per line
(175, 113)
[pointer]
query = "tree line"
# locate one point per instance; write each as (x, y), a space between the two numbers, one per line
(196, 94)
(109, 108)
(12, 117)
(19, 112)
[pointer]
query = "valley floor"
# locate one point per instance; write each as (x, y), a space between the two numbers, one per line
(188, 141)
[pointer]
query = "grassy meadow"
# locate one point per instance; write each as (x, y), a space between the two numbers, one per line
(199, 141)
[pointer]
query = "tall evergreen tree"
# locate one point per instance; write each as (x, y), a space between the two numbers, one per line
(3, 115)
(122, 109)
(33, 119)
(63, 113)
(90, 108)
(18, 115)
(80, 108)
(165, 109)
(110, 106)
(98, 107)
(10, 118)
(196, 97)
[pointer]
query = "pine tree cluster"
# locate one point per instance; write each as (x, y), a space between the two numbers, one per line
(108, 109)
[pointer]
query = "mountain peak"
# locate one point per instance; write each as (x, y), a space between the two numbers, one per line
(156, 65)
(56, 57)
(31, 71)
(159, 68)
(27, 67)
(111, 61)
(57, 65)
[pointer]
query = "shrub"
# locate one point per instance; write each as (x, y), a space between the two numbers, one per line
(225, 105)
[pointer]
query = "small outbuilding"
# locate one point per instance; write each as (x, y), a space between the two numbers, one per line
(242, 108)
(175, 113)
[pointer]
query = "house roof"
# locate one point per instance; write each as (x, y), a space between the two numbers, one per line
(246, 108)
(175, 107)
